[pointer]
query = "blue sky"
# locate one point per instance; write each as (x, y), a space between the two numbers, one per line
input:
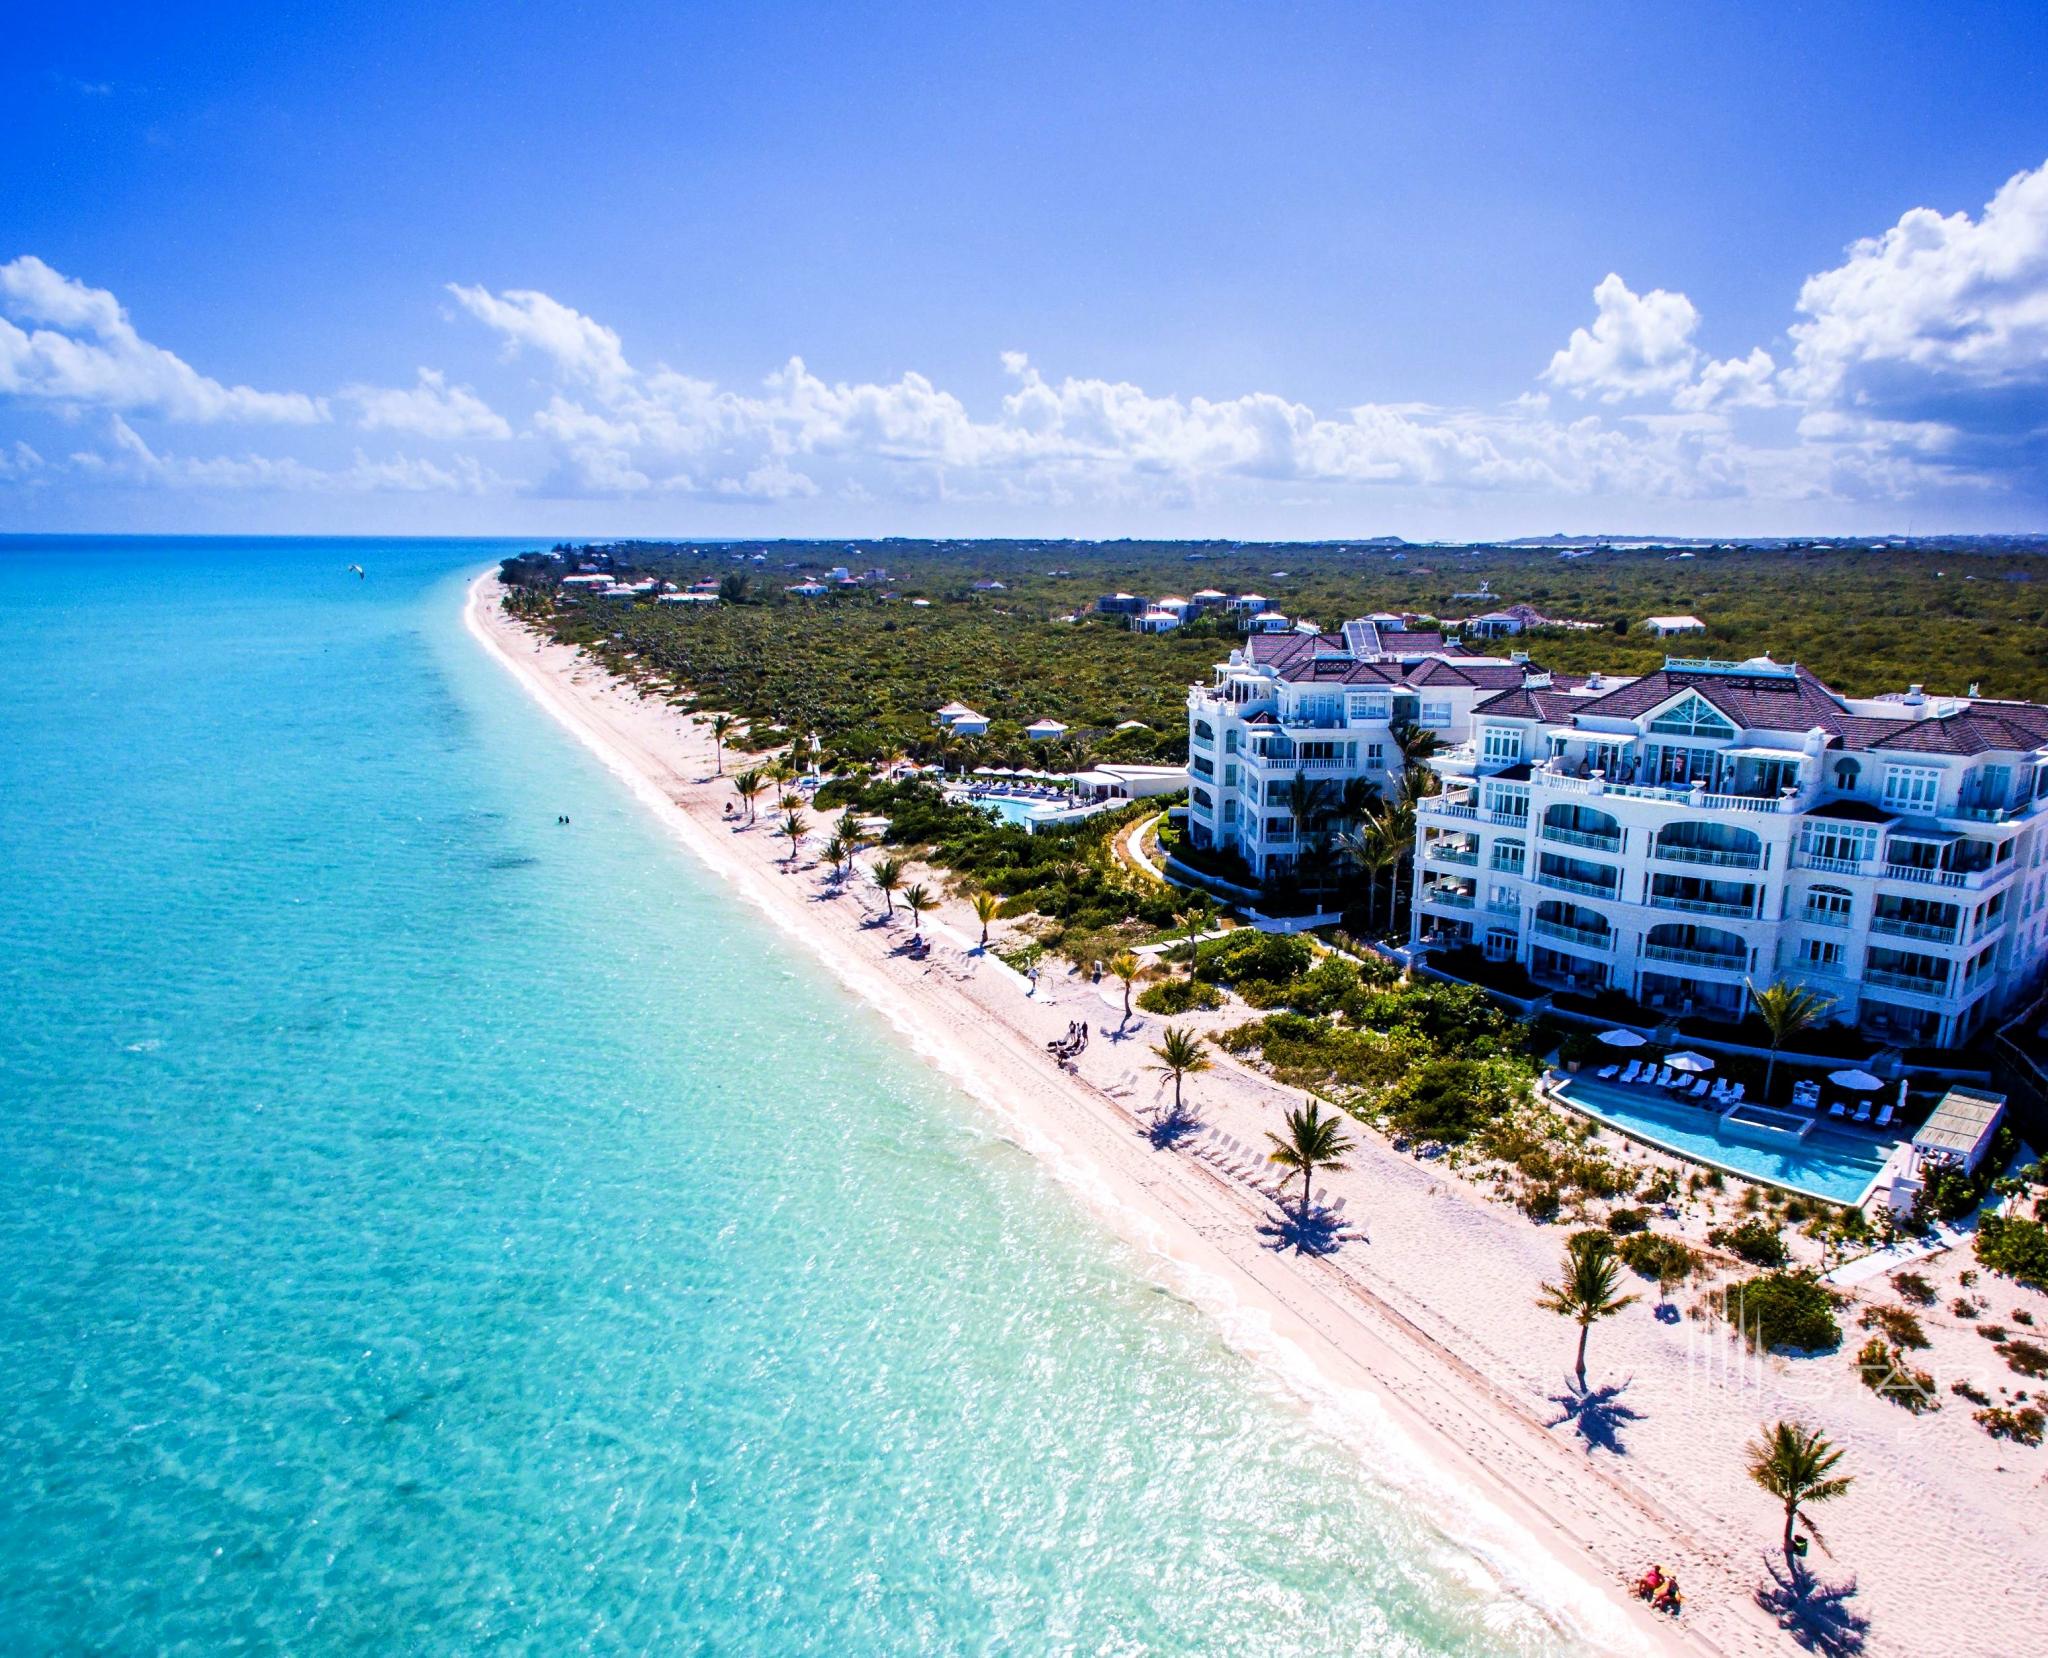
(1094, 269)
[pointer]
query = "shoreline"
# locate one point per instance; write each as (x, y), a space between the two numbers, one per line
(1392, 1373)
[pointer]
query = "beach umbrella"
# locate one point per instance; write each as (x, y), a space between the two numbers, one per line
(1857, 1082)
(1620, 1039)
(1689, 1062)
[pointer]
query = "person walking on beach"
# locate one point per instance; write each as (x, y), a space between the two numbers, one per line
(1032, 975)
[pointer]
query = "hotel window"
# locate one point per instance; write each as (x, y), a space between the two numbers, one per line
(1436, 714)
(1850, 843)
(1828, 905)
(1368, 707)
(1820, 952)
(1230, 777)
(1204, 732)
(1375, 755)
(1233, 742)
(1507, 856)
(1503, 742)
(1912, 788)
(1200, 798)
(1509, 803)
(1229, 811)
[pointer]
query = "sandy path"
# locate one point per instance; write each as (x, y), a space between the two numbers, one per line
(1419, 1339)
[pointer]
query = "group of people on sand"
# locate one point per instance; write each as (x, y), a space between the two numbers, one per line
(1071, 1045)
(1660, 1589)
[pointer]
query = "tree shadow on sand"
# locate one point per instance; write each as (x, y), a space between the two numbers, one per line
(1311, 1231)
(1173, 1125)
(1597, 1415)
(1816, 1615)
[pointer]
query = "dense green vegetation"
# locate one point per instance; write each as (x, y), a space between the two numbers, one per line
(865, 668)
(2016, 1247)
(1782, 1310)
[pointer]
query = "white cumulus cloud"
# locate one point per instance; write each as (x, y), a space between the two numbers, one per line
(79, 348)
(432, 408)
(1639, 344)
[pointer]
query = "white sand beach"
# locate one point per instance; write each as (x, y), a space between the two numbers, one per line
(1420, 1339)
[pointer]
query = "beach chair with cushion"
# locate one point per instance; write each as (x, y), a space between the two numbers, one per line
(1838, 1110)
(1635, 1069)
(1699, 1089)
(1606, 1072)
(1735, 1094)
(1884, 1117)
(1720, 1091)
(1863, 1111)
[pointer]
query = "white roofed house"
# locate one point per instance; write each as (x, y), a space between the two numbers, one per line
(1041, 731)
(1664, 627)
(961, 720)
(1156, 621)
(1679, 834)
(806, 589)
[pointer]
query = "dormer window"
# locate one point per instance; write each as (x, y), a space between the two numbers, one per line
(1693, 717)
(1847, 771)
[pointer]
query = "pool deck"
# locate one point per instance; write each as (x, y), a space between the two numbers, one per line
(1850, 1163)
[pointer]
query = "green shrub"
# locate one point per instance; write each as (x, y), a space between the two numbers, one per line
(1913, 1287)
(1885, 1372)
(1246, 953)
(1449, 1099)
(1541, 1203)
(2023, 1425)
(1621, 1222)
(1900, 1327)
(1755, 1241)
(2029, 1358)
(1657, 1256)
(1780, 1310)
(2018, 1248)
(1178, 996)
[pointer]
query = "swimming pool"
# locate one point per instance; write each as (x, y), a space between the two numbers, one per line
(1824, 1162)
(1013, 808)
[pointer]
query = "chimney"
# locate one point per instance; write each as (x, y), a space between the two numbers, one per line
(1518, 656)
(1915, 697)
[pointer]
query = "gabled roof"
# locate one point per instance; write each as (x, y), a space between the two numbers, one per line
(2008, 727)
(1553, 704)
(1784, 701)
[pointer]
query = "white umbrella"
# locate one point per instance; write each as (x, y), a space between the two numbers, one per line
(1690, 1062)
(1857, 1082)
(1620, 1039)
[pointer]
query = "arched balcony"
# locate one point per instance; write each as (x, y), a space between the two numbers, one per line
(1691, 945)
(1581, 826)
(1690, 841)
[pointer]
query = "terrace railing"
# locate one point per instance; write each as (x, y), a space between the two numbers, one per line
(1715, 856)
(1719, 961)
(1894, 927)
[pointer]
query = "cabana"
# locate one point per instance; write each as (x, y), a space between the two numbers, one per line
(1961, 1128)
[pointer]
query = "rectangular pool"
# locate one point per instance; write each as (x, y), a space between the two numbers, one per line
(1826, 1162)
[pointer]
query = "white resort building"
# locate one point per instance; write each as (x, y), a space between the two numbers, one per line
(1668, 835)
(1675, 834)
(1317, 708)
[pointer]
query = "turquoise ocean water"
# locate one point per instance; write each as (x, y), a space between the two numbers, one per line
(427, 1228)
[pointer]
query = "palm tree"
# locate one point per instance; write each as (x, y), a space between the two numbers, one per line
(748, 786)
(1796, 1464)
(1313, 1142)
(834, 853)
(1180, 1055)
(1198, 916)
(887, 876)
(722, 727)
(1125, 966)
(1585, 1290)
(790, 801)
(1786, 1010)
(1397, 824)
(987, 906)
(794, 827)
(917, 901)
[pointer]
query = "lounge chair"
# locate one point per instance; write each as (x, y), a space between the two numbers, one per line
(1863, 1111)
(1884, 1117)
(1720, 1091)
(1699, 1089)
(1635, 1069)
(1838, 1110)
(1668, 1078)
(1606, 1072)
(1735, 1094)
